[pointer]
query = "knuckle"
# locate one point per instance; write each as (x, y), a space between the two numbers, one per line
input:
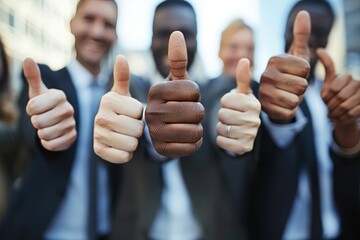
(255, 106)
(31, 107)
(225, 99)
(43, 134)
(341, 98)
(36, 122)
(198, 133)
(200, 111)
(305, 69)
(66, 110)
(274, 60)
(302, 86)
(102, 121)
(293, 102)
(73, 135)
(288, 115)
(255, 123)
(124, 157)
(48, 145)
(132, 145)
(139, 130)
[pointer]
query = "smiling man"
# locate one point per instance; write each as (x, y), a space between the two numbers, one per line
(66, 193)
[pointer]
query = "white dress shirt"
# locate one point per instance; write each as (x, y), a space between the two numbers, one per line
(71, 220)
(298, 225)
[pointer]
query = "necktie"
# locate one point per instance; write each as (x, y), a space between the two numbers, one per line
(93, 163)
(308, 151)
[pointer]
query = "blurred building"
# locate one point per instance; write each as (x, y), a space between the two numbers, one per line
(352, 26)
(37, 29)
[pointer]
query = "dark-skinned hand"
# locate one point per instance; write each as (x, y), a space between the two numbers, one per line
(284, 82)
(341, 94)
(173, 113)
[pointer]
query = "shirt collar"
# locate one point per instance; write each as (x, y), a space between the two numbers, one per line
(81, 77)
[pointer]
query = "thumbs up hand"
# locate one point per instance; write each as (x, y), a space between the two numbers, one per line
(118, 122)
(238, 116)
(283, 82)
(173, 112)
(341, 94)
(51, 114)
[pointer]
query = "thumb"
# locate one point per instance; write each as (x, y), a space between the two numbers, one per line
(301, 31)
(177, 55)
(33, 77)
(328, 63)
(243, 76)
(121, 76)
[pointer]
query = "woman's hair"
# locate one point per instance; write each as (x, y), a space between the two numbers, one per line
(8, 109)
(234, 26)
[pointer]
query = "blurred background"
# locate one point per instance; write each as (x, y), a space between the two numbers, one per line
(40, 29)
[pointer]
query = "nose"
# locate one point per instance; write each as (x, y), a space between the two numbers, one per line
(244, 53)
(97, 30)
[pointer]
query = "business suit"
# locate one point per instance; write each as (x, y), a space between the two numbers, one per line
(237, 172)
(347, 194)
(35, 202)
(142, 189)
(278, 173)
(209, 176)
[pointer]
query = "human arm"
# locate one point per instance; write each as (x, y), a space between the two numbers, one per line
(341, 94)
(283, 85)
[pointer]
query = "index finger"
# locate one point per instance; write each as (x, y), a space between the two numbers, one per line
(177, 55)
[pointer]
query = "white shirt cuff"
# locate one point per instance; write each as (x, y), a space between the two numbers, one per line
(346, 152)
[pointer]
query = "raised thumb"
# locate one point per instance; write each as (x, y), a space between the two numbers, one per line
(33, 77)
(243, 76)
(177, 55)
(301, 32)
(121, 76)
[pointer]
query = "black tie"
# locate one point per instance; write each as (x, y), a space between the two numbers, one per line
(93, 164)
(309, 155)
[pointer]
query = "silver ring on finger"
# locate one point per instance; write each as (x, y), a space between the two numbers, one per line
(227, 130)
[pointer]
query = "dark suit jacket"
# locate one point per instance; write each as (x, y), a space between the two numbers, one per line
(347, 194)
(237, 172)
(277, 179)
(213, 180)
(35, 202)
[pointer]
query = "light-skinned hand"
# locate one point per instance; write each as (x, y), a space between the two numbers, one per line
(118, 122)
(241, 110)
(51, 114)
